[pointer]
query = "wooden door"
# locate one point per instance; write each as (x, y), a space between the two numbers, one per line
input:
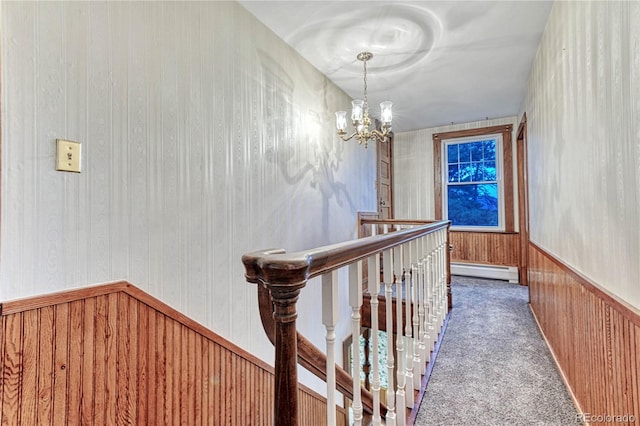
(384, 178)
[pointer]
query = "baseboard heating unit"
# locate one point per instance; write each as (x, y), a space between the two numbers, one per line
(509, 273)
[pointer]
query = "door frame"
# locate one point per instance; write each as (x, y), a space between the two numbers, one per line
(523, 198)
(379, 146)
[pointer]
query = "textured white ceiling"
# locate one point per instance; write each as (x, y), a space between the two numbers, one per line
(438, 61)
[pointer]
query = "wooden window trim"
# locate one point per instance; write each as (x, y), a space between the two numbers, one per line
(507, 167)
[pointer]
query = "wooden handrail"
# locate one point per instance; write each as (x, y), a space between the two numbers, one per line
(275, 267)
(285, 274)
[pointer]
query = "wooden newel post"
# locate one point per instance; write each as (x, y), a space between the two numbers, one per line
(284, 281)
(286, 358)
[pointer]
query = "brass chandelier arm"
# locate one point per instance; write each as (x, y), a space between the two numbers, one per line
(381, 135)
(347, 138)
(375, 134)
(364, 137)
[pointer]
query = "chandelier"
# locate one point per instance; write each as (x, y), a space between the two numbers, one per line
(360, 115)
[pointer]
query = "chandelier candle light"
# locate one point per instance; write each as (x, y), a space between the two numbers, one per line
(360, 115)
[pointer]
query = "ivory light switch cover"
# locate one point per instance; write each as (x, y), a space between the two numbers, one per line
(68, 156)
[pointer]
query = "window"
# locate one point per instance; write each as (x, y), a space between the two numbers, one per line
(473, 179)
(472, 197)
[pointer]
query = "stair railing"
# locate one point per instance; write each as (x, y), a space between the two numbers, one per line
(414, 258)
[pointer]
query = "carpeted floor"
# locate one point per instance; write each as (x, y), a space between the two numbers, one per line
(494, 367)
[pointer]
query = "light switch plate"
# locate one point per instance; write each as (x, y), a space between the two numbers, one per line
(68, 156)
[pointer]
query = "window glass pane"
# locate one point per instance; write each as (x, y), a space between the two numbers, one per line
(476, 151)
(452, 153)
(453, 173)
(466, 172)
(489, 170)
(465, 153)
(473, 204)
(478, 175)
(489, 149)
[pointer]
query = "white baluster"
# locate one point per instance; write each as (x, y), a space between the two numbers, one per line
(408, 301)
(445, 305)
(415, 310)
(330, 319)
(433, 304)
(355, 300)
(387, 257)
(445, 271)
(390, 419)
(425, 297)
(388, 281)
(424, 319)
(441, 281)
(436, 290)
(400, 393)
(374, 289)
(417, 362)
(421, 297)
(430, 296)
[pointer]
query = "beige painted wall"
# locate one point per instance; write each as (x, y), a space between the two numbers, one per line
(583, 111)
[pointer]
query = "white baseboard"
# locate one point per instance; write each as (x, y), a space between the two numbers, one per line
(509, 273)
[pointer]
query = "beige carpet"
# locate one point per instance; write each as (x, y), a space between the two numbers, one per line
(494, 367)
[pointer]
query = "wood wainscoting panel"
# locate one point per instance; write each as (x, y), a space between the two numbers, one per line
(493, 248)
(594, 337)
(114, 355)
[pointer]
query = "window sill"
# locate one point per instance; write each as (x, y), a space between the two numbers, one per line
(482, 231)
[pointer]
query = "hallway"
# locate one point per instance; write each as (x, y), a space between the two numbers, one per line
(494, 367)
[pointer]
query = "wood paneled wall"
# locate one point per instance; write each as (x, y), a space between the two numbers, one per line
(495, 248)
(594, 337)
(114, 355)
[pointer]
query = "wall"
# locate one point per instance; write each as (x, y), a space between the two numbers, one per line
(583, 112)
(204, 137)
(413, 168)
(111, 354)
(582, 106)
(594, 338)
(415, 198)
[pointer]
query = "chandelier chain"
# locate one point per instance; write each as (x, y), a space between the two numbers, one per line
(366, 102)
